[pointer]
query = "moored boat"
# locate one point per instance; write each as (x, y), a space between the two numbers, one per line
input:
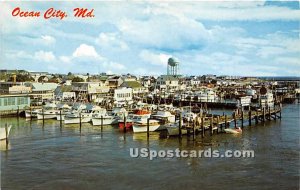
(233, 131)
(3, 132)
(141, 121)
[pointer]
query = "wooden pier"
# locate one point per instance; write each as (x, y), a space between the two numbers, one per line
(216, 124)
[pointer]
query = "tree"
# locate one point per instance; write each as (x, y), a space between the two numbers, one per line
(77, 79)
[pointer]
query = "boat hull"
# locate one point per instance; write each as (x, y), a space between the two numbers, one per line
(46, 116)
(3, 132)
(106, 121)
(143, 128)
(128, 125)
(68, 120)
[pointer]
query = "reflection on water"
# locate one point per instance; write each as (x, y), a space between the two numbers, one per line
(52, 157)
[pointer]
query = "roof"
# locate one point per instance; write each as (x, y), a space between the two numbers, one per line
(42, 86)
(131, 84)
(168, 77)
(64, 88)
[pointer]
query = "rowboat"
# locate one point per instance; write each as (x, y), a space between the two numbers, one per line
(233, 131)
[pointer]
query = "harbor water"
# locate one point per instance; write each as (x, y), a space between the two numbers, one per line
(54, 157)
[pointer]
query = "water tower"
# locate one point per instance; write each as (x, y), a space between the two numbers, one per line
(173, 66)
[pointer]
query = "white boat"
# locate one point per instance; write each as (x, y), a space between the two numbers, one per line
(85, 114)
(164, 115)
(233, 131)
(140, 124)
(49, 111)
(173, 129)
(103, 118)
(65, 109)
(32, 113)
(3, 132)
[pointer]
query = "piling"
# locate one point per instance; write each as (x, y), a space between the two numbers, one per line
(280, 111)
(43, 116)
(250, 117)
(80, 122)
(242, 118)
(179, 126)
(264, 114)
(18, 112)
(218, 120)
(30, 113)
(148, 127)
(6, 134)
(194, 123)
(202, 127)
(124, 129)
(101, 123)
(234, 118)
(256, 117)
(226, 122)
(60, 118)
(211, 126)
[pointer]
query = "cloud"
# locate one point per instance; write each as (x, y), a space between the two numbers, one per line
(85, 51)
(48, 40)
(112, 41)
(154, 58)
(65, 59)
(44, 56)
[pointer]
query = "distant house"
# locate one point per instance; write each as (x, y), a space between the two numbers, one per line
(64, 92)
(91, 91)
(5, 86)
(167, 82)
(114, 82)
(42, 91)
(136, 87)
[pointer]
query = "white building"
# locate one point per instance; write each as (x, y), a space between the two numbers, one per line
(123, 94)
(169, 83)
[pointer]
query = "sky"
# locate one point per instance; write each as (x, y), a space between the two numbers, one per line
(238, 38)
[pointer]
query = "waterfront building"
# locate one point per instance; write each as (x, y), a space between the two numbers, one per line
(42, 91)
(64, 92)
(91, 91)
(11, 103)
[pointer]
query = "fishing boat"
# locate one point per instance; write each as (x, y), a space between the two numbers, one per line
(49, 111)
(3, 132)
(32, 113)
(103, 118)
(233, 131)
(140, 124)
(82, 115)
(131, 118)
(64, 109)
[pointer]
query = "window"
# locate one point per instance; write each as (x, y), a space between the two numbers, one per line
(13, 101)
(9, 101)
(5, 101)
